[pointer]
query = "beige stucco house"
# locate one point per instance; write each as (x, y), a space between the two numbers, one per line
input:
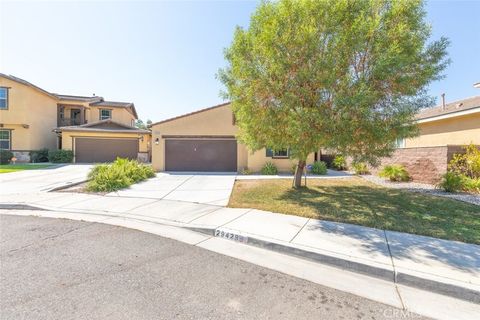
(444, 130)
(205, 140)
(96, 130)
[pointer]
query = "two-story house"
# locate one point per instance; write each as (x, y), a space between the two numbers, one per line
(96, 130)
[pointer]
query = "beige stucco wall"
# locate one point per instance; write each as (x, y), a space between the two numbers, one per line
(33, 108)
(453, 131)
(121, 115)
(257, 160)
(213, 122)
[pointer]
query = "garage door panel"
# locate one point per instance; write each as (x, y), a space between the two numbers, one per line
(200, 155)
(104, 150)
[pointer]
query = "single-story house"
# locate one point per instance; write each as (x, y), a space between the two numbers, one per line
(205, 140)
(444, 131)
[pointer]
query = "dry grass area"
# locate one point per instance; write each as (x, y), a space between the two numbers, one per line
(354, 200)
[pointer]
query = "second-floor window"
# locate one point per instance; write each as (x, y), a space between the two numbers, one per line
(105, 114)
(3, 98)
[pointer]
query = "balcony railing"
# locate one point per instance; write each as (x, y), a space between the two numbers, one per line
(70, 122)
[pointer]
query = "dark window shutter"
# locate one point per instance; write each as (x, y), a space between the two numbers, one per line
(268, 152)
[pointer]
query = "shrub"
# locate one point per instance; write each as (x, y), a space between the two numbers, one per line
(118, 175)
(451, 182)
(5, 156)
(339, 162)
(471, 184)
(269, 169)
(360, 168)
(395, 172)
(319, 167)
(245, 171)
(468, 163)
(39, 155)
(60, 156)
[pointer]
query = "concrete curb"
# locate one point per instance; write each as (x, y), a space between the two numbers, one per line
(443, 288)
(20, 207)
(59, 188)
(447, 289)
(431, 285)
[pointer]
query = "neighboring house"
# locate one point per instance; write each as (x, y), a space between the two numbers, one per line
(444, 130)
(205, 141)
(96, 130)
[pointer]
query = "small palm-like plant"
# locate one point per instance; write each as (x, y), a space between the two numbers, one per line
(395, 172)
(339, 162)
(269, 169)
(360, 168)
(451, 182)
(319, 167)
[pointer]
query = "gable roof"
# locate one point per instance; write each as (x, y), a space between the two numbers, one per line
(93, 100)
(25, 82)
(107, 125)
(115, 104)
(190, 113)
(78, 98)
(451, 109)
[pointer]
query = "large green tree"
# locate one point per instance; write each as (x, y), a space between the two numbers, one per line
(347, 75)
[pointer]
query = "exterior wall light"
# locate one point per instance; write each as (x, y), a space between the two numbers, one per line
(157, 141)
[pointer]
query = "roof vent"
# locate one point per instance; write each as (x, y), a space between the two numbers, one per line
(459, 105)
(443, 101)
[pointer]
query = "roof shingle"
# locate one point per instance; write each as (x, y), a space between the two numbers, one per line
(452, 107)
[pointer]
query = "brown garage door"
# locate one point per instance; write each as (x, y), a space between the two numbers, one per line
(104, 150)
(200, 155)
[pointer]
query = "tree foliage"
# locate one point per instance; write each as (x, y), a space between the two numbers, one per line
(142, 125)
(343, 74)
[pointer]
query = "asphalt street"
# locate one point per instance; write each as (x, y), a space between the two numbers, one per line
(62, 269)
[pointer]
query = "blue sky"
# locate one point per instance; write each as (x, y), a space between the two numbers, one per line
(163, 56)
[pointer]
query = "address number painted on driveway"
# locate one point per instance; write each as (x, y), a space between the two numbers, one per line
(230, 236)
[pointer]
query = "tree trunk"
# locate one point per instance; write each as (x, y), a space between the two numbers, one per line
(297, 179)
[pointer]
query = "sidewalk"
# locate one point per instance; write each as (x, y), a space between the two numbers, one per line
(446, 267)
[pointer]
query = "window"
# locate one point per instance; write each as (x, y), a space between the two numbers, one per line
(5, 139)
(105, 114)
(283, 153)
(3, 98)
(400, 143)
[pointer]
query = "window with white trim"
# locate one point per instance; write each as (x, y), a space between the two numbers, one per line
(400, 143)
(105, 114)
(5, 139)
(3, 98)
(283, 153)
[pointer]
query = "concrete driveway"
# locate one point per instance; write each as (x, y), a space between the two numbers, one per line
(214, 189)
(38, 180)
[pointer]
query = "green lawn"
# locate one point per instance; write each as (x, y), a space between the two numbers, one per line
(357, 201)
(4, 168)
